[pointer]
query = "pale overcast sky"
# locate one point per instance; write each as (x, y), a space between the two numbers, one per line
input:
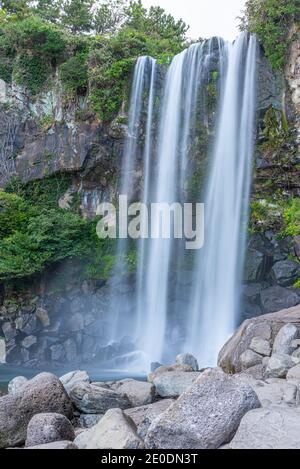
(206, 17)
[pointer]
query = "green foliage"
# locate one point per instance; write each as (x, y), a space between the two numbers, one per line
(49, 10)
(265, 215)
(44, 193)
(109, 16)
(112, 61)
(291, 217)
(276, 213)
(14, 7)
(275, 131)
(297, 284)
(271, 20)
(155, 21)
(74, 73)
(12, 213)
(35, 233)
(34, 43)
(49, 236)
(77, 15)
(35, 47)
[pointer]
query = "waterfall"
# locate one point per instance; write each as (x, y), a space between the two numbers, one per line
(198, 131)
(214, 308)
(121, 325)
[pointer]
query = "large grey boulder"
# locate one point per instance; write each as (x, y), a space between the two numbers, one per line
(250, 358)
(70, 380)
(275, 392)
(92, 399)
(174, 383)
(56, 445)
(143, 416)
(44, 393)
(285, 272)
(276, 298)
(16, 384)
(254, 265)
(114, 431)
(48, 428)
(167, 369)
(87, 420)
(269, 428)
(261, 346)
(293, 374)
(206, 416)
(139, 393)
(284, 338)
(266, 327)
(279, 365)
(187, 359)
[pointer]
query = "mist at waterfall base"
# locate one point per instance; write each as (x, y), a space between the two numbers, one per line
(191, 136)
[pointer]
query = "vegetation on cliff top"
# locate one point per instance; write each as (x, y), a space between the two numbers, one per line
(94, 45)
(271, 20)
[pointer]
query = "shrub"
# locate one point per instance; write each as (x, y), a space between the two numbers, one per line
(271, 21)
(47, 237)
(74, 73)
(35, 47)
(291, 217)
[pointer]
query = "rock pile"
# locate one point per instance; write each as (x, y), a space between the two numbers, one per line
(256, 405)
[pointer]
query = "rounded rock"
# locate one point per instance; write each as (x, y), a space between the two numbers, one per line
(48, 428)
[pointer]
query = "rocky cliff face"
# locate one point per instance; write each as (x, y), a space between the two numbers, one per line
(49, 135)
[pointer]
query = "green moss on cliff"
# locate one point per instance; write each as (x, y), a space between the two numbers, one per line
(277, 214)
(271, 20)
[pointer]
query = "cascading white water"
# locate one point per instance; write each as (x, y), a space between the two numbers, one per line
(219, 267)
(171, 150)
(141, 86)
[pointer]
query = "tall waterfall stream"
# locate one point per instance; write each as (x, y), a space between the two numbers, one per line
(191, 135)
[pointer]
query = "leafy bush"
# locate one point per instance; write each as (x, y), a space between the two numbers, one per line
(48, 237)
(44, 193)
(291, 217)
(112, 61)
(74, 73)
(278, 214)
(13, 213)
(271, 21)
(297, 284)
(35, 47)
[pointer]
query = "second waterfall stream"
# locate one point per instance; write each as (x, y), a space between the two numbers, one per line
(190, 134)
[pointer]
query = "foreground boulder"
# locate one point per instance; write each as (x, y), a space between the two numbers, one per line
(87, 420)
(167, 369)
(48, 428)
(294, 374)
(16, 384)
(174, 383)
(283, 340)
(139, 393)
(269, 428)
(55, 445)
(206, 416)
(265, 327)
(279, 365)
(93, 399)
(144, 416)
(187, 359)
(73, 378)
(275, 392)
(114, 431)
(44, 393)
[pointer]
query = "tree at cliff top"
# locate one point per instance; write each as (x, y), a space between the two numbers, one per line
(271, 20)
